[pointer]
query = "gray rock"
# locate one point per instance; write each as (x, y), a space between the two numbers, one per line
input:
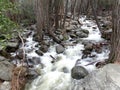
(70, 28)
(106, 78)
(73, 35)
(66, 36)
(34, 60)
(44, 48)
(65, 70)
(2, 58)
(60, 49)
(61, 37)
(32, 74)
(79, 72)
(74, 22)
(12, 46)
(66, 24)
(20, 54)
(89, 46)
(39, 52)
(85, 31)
(106, 34)
(81, 34)
(6, 70)
(5, 86)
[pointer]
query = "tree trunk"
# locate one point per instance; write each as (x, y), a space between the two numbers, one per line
(115, 41)
(40, 18)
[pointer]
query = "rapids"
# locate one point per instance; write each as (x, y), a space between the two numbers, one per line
(57, 76)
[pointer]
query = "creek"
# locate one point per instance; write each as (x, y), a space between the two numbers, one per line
(57, 75)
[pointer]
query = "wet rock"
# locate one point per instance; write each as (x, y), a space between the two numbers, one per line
(6, 69)
(5, 54)
(65, 36)
(79, 72)
(74, 22)
(89, 46)
(98, 50)
(39, 52)
(65, 70)
(73, 36)
(70, 28)
(60, 49)
(34, 60)
(19, 54)
(5, 86)
(85, 31)
(44, 48)
(2, 58)
(32, 74)
(81, 34)
(35, 37)
(67, 24)
(61, 37)
(12, 46)
(106, 78)
(107, 34)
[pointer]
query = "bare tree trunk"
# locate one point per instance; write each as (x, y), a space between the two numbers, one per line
(115, 38)
(93, 3)
(65, 15)
(40, 18)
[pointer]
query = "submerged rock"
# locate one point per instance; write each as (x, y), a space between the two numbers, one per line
(79, 72)
(6, 69)
(60, 49)
(106, 78)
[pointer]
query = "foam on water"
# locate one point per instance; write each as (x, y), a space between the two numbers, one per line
(53, 76)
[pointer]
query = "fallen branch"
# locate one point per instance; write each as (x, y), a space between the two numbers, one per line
(23, 44)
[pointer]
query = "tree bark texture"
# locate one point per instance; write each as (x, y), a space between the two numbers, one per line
(115, 38)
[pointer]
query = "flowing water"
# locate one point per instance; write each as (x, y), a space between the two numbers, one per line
(57, 76)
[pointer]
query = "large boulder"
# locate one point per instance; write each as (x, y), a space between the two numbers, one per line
(106, 78)
(79, 72)
(6, 69)
(60, 49)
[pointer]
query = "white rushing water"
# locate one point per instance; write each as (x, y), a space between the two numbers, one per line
(57, 76)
